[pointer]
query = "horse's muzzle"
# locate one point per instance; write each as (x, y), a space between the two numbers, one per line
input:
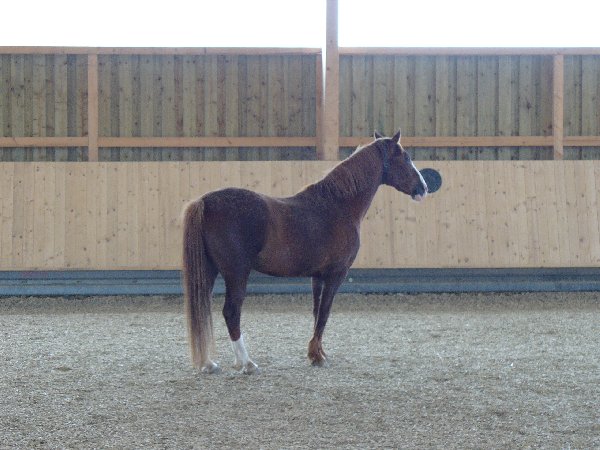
(420, 192)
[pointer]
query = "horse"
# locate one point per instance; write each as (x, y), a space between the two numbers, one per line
(315, 233)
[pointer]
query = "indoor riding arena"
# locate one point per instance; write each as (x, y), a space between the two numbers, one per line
(469, 319)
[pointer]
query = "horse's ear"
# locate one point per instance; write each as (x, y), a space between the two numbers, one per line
(396, 137)
(376, 135)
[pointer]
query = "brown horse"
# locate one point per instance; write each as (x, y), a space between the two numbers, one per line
(314, 233)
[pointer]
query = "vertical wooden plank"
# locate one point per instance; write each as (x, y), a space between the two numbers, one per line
(93, 106)
(146, 101)
(275, 98)
(535, 241)
(122, 215)
(50, 213)
(404, 94)
(74, 230)
(494, 215)
(41, 232)
(19, 207)
(345, 97)
(404, 232)
(507, 111)
(167, 83)
(586, 218)
(103, 100)
(466, 102)
(28, 103)
(189, 102)
(125, 111)
(231, 103)
(60, 213)
(17, 102)
(152, 248)
(527, 103)
(467, 233)
(90, 214)
(178, 99)
(295, 118)
(445, 103)
(589, 203)
(425, 101)
(4, 97)
(361, 95)
(211, 102)
(571, 213)
(134, 204)
(593, 176)
(481, 215)
(200, 71)
(545, 96)
(157, 154)
(375, 236)
(81, 108)
(562, 219)
(27, 218)
(281, 178)
(572, 101)
(447, 207)
(168, 202)
(590, 96)
(39, 102)
(61, 103)
(112, 218)
(231, 175)
(382, 100)
(487, 75)
(100, 207)
(518, 200)
(7, 185)
(253, 99)
(545, 200)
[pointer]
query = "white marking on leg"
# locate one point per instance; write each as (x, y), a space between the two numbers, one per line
(242, 360)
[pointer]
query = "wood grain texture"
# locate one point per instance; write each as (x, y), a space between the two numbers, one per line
(127, 215)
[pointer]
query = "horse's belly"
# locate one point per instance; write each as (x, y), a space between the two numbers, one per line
(284, 262)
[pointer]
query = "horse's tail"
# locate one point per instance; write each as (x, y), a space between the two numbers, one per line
(197, 285)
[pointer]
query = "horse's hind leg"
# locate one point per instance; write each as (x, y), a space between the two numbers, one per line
(235, 291)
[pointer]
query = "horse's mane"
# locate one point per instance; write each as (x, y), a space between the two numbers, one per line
(353, 175)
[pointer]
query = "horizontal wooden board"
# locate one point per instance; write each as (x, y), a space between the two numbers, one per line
(57, 216)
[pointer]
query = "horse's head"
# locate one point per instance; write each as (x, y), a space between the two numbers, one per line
(398, 169)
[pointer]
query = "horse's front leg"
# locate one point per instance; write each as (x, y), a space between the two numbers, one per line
(327, 288)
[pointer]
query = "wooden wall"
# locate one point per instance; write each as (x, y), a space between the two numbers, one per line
(465, 95)
(227, 93)
(207, 95)
(126, 215)
(264, 104)
(43, 96)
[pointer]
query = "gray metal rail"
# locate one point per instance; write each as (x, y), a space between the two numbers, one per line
(165, 282)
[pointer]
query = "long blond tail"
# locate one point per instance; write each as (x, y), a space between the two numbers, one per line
(197, 286)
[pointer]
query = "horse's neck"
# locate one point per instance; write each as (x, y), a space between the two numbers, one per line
(352, 195)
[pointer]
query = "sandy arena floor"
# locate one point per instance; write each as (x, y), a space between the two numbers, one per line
(406, 371)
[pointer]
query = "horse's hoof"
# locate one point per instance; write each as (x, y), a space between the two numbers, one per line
(250, 368)
(319, 362)
(211, 368)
